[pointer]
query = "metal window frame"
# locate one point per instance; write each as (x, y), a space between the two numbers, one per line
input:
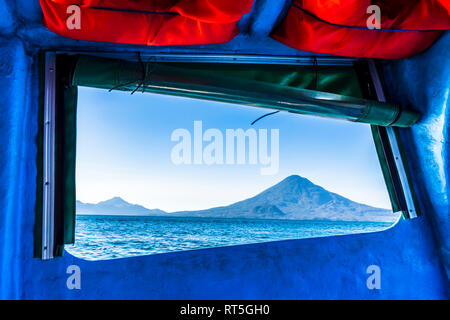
(310, 60)
(48, 181)
(394, 146)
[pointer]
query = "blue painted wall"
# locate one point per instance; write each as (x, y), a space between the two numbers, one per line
(413, 255)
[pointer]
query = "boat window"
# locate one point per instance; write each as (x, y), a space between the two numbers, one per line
(158, 173)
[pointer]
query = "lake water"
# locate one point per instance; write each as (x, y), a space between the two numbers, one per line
(108, 237)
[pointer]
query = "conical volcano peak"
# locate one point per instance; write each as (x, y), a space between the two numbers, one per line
(293, 183)
(295, 179)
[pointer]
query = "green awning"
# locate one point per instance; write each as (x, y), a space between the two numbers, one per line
(248, 87)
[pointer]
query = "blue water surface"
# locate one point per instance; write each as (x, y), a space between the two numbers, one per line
(107, 237)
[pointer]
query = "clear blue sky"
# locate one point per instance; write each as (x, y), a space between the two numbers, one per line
(124, 149)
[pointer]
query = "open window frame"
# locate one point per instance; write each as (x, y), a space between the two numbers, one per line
(56, 139)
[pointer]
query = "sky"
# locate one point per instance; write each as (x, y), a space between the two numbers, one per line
(125, 148)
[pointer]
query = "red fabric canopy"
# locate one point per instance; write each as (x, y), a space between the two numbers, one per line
(156, 22)
(340, 27)
(395, 14)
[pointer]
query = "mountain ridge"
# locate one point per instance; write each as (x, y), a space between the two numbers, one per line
(115, 206)
(295, 198)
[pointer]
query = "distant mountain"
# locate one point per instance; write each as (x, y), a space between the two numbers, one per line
(116, 206)
(297, 198)
(293, 198)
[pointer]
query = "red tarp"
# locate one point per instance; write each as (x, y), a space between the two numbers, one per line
(160, 22)
(340, 27)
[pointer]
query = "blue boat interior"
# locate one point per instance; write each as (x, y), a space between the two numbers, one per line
(413, 255)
